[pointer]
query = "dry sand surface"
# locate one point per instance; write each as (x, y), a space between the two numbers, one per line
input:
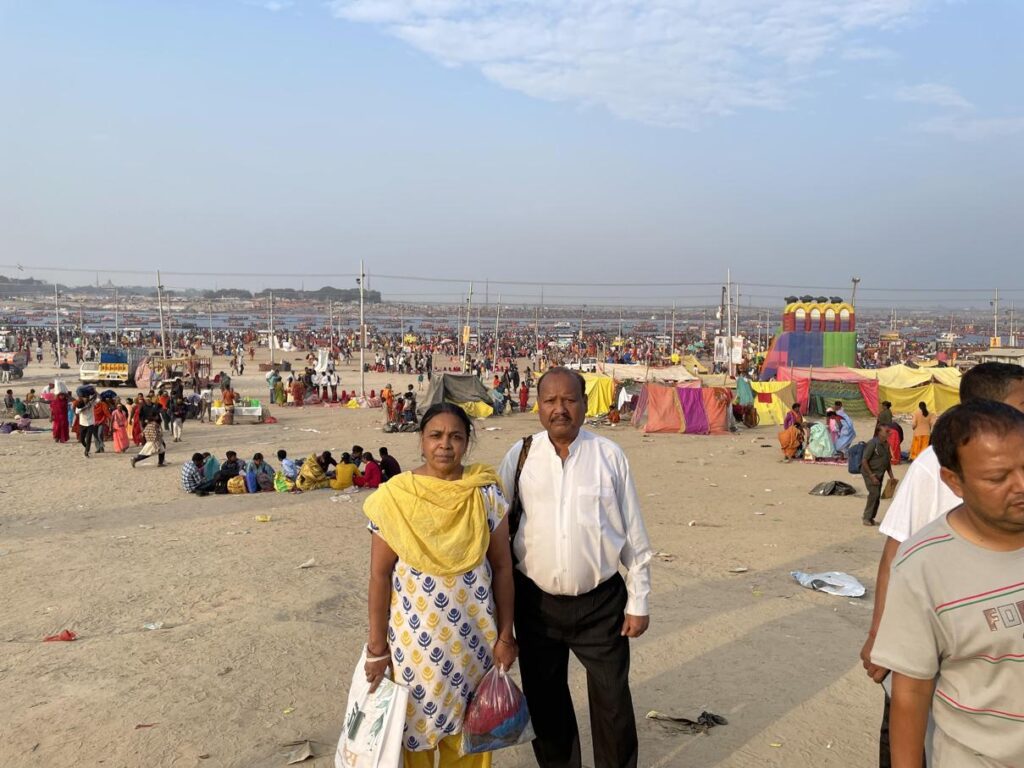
(255, 652)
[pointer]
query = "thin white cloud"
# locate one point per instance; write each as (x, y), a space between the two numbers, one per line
(274, 6)
(668, 62)
(933, 94)
(868, 53)
(964, 128)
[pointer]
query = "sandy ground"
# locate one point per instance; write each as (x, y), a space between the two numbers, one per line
(255, 653)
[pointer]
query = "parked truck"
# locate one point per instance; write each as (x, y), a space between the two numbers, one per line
(115, 366)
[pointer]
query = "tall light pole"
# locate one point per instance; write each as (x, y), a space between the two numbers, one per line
(209, 318)
(465, 330)
(853, 296)
(56, 310)
(160, 310)
(362, 332)
(330, 325)
(270, 318)
(672, 342)
(497, 318)
(117, 336)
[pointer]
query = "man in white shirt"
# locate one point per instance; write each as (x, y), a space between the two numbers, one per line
(580, 521)
(923, 497)
(85, 410)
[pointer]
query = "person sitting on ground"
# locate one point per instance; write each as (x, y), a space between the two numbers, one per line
(289, 467)
(389, 465)
(345, 473)
(357, 455)
(371, 477)
(819, 443)
(193, 480)
(846, 433)
(210, 466)
(613, 417)
(312, 475)
(262, 473)
(792, 441)
(793, 416)
(230, 468)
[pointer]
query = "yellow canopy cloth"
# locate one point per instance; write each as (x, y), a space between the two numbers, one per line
(436, 526)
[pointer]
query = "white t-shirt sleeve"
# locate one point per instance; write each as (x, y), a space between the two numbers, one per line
(921, 498)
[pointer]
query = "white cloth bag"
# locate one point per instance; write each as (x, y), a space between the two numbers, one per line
(371, 736)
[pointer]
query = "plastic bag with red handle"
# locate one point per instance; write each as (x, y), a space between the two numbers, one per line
(497, 715)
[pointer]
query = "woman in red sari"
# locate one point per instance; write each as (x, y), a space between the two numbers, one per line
(135, 421)
(59, 416)
(119, 422)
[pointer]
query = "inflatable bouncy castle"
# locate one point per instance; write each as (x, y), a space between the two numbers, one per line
(817, 332)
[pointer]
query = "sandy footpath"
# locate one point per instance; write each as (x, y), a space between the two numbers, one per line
(255, 652)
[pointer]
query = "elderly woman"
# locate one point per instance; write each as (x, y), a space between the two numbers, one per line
(441, 591)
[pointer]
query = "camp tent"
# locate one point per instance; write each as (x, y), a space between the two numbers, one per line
(621, 372)
(690, 410)
(862, 389)
(771, 398)
(464, 390)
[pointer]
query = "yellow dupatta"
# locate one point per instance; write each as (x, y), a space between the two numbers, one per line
(436, 526)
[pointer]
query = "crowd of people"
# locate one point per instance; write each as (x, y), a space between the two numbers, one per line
(205, 474)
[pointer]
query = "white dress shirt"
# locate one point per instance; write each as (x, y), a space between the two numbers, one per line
(580, 519)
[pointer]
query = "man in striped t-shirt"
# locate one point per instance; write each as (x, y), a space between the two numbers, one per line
(953, 627)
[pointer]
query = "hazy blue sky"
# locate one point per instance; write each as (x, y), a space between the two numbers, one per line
(577, 141)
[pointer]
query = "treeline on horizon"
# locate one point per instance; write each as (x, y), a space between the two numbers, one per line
(13, 287)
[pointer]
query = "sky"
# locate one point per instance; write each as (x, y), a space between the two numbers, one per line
(603, 151)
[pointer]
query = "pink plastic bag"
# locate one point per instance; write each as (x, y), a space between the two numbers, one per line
(497, 715)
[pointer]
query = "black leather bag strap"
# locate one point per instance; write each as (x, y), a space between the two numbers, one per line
(515, 507)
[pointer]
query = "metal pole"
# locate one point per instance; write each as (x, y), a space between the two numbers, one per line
(497, 317)
(56, 310)
(995, 319)
(728, 321)
(160, 310)
(210, 318)
(469, 310)
(117, 336)
(672, 343)
(270, 317)
(362, 333)
(330, 325)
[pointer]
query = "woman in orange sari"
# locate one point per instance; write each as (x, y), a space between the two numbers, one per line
(135, 421)
(119, 424)
(923, 423)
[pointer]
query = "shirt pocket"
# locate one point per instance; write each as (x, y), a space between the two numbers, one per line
(596, 506)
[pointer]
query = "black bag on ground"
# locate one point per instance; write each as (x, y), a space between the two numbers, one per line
(833, 488)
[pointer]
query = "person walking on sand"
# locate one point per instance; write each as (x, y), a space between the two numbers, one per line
(154, 436)
(580, 520)
(873, 466)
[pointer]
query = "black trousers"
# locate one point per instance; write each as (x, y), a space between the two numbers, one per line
(86, 435)
(874, 499)
(547, 628)
(884, 758)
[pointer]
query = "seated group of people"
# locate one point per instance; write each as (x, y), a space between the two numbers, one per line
(810, 441)
(204, 474)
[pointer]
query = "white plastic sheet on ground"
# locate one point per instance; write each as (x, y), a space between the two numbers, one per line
(831, 582)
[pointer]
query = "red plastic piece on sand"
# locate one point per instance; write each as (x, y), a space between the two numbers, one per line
(65, 636)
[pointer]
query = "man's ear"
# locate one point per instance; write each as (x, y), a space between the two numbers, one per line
(952, 479)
